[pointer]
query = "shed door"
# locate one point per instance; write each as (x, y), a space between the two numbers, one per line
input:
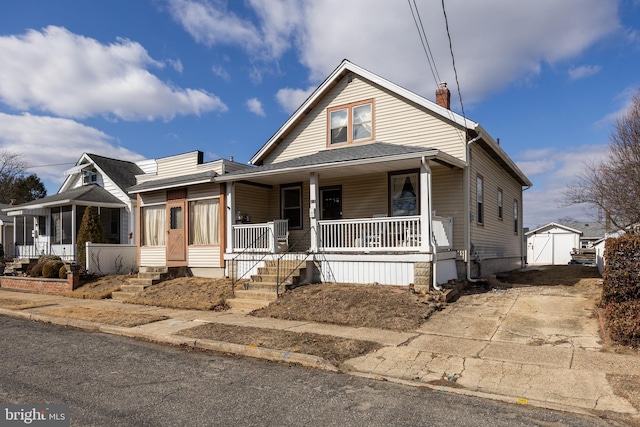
(550, 249)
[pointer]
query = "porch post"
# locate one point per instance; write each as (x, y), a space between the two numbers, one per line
(425, 207)
(73, 232)
(231, 214)
(313, 210)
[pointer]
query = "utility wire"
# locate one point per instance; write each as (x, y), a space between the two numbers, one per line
(455, 71)
(425, 42)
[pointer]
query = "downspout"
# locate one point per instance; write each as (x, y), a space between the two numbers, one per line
(467, 209)
(432, 240)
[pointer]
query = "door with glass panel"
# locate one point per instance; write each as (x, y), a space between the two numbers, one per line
(176, 245)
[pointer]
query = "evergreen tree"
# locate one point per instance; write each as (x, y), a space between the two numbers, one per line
(90, 231)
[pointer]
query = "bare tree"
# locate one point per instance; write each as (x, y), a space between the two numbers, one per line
(613, 184)
(11, 168)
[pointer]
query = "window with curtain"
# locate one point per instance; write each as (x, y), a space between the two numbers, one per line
(351, 122)
(515, 216)
(153, 225)
(204, 225)
(404, 194)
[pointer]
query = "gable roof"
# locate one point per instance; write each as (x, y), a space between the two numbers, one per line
(92, 194)
(486, 141)
(121, 172)
(553, 225)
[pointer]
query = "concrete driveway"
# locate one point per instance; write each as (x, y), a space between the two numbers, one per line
(531, 344)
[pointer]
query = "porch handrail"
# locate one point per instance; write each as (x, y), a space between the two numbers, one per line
(248, 249)
(264, 237)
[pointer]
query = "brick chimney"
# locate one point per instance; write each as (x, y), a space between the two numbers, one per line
(443, 96)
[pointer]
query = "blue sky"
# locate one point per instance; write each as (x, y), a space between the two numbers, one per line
(151, 78)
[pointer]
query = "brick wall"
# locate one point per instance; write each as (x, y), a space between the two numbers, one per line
(39, 284)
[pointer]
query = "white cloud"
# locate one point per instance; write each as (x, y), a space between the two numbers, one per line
(551, 170)
(221, 72)
(496, 42)
(69, 75)
(584, 71)
(51, 145)
(255, 106)
(625, 98)
(290, 99)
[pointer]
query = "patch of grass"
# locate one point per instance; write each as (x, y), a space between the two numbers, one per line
(333, 349)
(197, 293)
(99, 287)
(110, 317)
(373, 306)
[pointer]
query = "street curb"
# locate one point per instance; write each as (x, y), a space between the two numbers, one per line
(307, 360)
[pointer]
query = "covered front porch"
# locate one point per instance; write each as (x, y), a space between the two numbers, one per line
(359, 219)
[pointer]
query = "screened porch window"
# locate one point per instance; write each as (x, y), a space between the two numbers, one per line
(204, 222)
(153, 225)
(61, 225)
(24, 230)
(291, 205)
(404, 194)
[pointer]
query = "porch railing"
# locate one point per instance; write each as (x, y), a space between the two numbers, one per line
(370, 234)
(266, 237)
(398, 234)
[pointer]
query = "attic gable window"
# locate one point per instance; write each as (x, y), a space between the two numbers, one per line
(89, 177)
(350, 123)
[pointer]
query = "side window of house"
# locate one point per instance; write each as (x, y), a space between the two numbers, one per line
(154, 220)
(204, 220)
(515, 217)
(404, 194)
(480, 199)
(291, 205)
(500, 197)
(350, 123)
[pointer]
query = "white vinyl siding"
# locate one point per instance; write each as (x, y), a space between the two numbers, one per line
(394, 119)
(203, 191)
(152, 256)
(204, 256)
(254, 201)
(448, 199)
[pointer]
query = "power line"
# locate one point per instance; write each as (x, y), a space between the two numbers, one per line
(46, 166)
(455, 71)
(425, 42)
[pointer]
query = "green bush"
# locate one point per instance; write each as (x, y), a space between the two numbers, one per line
(90, 231)
(51, 269)
(36, 270)
(62, 274)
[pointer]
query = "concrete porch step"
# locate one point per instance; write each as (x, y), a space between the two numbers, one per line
(133, 288)
(263, 295)
(121, 295)
(247, 303)
(144, 282)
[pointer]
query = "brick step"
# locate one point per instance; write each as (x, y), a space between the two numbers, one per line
(264, 295)
(246, 303)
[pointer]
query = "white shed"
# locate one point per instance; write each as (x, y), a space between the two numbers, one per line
(551, 244)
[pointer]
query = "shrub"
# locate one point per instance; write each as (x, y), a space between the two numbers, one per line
(62, 274)
(621, 289)
(51, 269)
(36, 270)
(45, 258)
(90, 231)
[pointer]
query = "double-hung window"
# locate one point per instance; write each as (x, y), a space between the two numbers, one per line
(351, 123)
(500, 197)
(291, 205)
(515, 217)
(404, 194)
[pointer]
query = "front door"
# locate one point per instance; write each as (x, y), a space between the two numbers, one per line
(331, 203)
(176, 247)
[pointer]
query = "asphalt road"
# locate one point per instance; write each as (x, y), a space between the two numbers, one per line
(113, 381)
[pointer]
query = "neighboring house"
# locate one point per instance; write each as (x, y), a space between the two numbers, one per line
(180, 216)
(592, 232)
(6, 231)
(552, 244)
(50, 225)
(374, 183)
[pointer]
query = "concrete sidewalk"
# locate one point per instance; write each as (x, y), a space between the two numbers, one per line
(536, 346)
